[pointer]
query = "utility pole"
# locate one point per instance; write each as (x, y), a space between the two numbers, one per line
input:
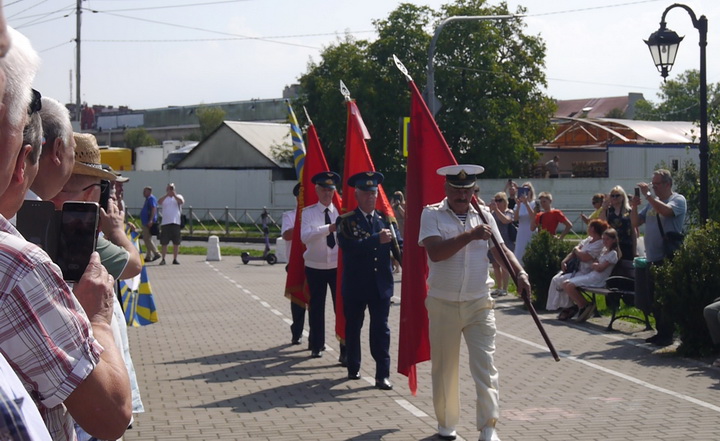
(78, 18)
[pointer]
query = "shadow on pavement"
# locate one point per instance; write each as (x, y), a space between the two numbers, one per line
(297, 395)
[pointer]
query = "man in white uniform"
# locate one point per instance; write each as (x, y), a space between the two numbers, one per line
(458, 302)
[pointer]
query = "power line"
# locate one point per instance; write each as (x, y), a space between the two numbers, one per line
(205, 30)
(176, 6)
(569, 11)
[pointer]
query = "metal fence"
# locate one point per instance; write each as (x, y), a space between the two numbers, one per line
(227, 222)
(247, 222)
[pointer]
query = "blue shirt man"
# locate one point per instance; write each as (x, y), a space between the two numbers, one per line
(148, 218)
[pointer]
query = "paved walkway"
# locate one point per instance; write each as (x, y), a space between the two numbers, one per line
(218, 365)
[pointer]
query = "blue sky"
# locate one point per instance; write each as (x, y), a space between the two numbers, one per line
(153, 53)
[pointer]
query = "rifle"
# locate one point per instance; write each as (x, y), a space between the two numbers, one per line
(525, 295)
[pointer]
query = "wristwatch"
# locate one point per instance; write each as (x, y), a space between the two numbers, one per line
(648, 194)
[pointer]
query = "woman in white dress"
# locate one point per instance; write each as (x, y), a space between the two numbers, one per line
(525, 211)
(587, 252)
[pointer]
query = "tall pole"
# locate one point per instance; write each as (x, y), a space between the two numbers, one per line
(701, 25)
(78, 19)
(432, 102)
(704, 154)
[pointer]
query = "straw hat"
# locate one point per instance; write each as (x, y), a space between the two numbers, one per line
(118, 177)
(87, 157)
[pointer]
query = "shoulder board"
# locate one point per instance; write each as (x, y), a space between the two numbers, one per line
(433, 206)
(347, 215)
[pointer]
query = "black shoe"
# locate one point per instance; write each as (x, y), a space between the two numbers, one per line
(296, 341)
(316, 354)
(175, 262)
(153, 258)
(162, 262)
(659, 340)
(343, 360)
(353, 375)
(384, 384)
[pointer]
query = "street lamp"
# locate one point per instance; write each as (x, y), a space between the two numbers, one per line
(663, 46)
(432, 102)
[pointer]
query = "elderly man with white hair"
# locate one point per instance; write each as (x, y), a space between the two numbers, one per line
(58, 152)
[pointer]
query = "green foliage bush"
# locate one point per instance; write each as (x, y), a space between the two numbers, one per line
(690, 283)
(542, 261)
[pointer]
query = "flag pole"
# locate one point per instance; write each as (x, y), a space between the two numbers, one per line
(524, 294)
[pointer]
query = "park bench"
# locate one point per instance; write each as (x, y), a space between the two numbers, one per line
(621, 285)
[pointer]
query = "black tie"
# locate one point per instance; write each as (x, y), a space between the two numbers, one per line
(330, 237)
(370, 222)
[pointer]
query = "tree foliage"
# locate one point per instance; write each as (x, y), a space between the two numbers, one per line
(210, 118)
(489, 76)
(138, 137)
(679, 100)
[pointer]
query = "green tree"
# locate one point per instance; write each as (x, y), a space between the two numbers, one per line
(210, 118)
(138, 138)
(679, 100)
(492, 106)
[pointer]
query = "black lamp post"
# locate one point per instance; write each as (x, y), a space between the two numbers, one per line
(663, 46)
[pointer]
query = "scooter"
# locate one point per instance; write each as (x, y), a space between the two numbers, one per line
(267, 256)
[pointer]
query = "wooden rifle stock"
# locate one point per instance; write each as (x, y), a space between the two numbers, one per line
(525, 295)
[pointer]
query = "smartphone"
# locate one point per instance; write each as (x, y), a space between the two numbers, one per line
(36, 221)
(77, 238)
(637, 192)
(104, 194)
(523, 191)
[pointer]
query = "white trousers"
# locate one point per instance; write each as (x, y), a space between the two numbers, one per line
(475, 320)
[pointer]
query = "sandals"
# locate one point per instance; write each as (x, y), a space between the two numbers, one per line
(566, 313)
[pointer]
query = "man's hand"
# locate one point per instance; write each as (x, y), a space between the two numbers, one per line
(481, 232)
(385, 235)
(523, 285)
(112, 221)
(95, 292)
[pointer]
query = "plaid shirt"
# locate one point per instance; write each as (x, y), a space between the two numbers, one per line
(44, 332)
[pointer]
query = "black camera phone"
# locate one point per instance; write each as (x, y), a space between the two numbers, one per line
(637, 192)
(104, 193)
(78, 236)
(37, 222)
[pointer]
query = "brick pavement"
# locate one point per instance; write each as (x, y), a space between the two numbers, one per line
(219, 365)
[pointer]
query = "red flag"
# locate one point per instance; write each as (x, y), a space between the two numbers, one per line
(357, 160)
(427, 151)
(295, 286)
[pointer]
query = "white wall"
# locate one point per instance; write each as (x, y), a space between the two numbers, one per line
(628, 159)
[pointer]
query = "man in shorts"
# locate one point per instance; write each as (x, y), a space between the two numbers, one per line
(171, 206)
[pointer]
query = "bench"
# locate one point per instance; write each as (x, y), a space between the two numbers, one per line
(620, 285)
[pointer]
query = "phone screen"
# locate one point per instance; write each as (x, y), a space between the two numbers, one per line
(78, 234)
(104, 194)
(523, 191)
(637, 192)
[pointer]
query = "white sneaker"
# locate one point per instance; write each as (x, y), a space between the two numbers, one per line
(489, 433)
(446, 434)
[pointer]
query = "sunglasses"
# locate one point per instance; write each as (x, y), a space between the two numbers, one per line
(103, 184)
(499, 200)
(35, 102)
(615, 195)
